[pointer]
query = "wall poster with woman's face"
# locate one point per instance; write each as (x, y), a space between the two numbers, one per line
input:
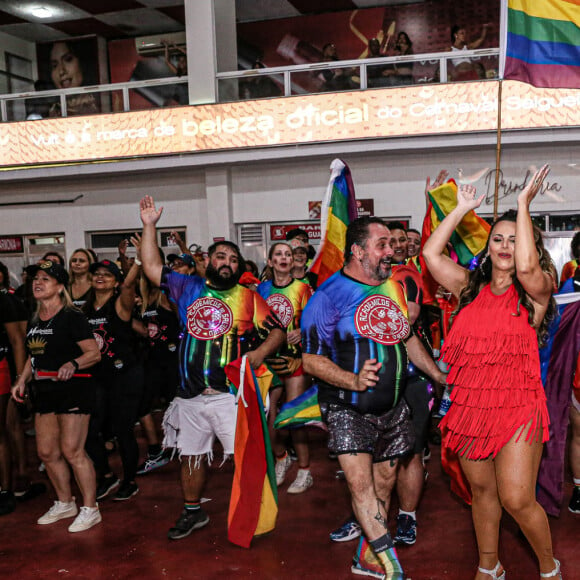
(67, 64)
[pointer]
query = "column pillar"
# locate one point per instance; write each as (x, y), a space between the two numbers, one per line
(210, 29)
(218, 189)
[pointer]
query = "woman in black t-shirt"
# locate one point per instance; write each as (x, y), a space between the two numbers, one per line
(60, 347)
(119, 375)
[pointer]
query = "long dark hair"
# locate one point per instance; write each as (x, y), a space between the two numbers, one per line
(481, 276)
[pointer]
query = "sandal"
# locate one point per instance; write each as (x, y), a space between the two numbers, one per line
(493, 573)
(555, 573)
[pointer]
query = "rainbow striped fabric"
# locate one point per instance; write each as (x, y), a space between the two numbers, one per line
(543, 44)
(470, 236)
(300, 412)
(338, 210)
(254, 498)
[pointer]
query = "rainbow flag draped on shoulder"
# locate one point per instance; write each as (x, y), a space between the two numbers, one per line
(338, 210)
(254, 498)
(543, 43)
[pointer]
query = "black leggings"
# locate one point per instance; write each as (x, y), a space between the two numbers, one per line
(118, 400)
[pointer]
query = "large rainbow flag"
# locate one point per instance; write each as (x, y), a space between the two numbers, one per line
(558, 369)
(543, 43)
(254, 498)
(338, 210)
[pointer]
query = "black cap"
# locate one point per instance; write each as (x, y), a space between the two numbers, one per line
(53, 269)
(295, 233)
(107, 265)
(187, 259)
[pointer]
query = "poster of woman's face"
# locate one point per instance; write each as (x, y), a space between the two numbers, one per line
(65, 64)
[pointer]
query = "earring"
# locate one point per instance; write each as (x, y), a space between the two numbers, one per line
(482, 263)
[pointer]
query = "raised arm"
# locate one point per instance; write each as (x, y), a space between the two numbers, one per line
(439, 181)
(538, 284)
(478, 42)
(441, 267)
(152, 265)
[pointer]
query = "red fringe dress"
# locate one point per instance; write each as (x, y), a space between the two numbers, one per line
(495, 372)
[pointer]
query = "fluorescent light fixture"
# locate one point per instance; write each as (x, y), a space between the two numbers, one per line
(41, 12)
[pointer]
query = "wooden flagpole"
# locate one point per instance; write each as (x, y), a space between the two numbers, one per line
(497, 152)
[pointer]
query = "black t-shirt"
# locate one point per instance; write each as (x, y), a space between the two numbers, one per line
(51, 343)
(115, 339)
(163, 331)
(11, 310)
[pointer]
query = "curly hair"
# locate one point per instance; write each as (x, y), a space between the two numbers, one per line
(481, 276)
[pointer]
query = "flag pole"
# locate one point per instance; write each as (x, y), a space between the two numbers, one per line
(497, 152)
(503, 24)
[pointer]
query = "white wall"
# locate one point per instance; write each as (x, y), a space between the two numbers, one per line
(396, 181)
(19, 47)
(209, 201)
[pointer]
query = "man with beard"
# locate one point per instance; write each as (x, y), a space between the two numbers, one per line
(221, 320)
(356, 337)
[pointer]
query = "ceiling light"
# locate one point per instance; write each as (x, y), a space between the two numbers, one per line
(41, 12)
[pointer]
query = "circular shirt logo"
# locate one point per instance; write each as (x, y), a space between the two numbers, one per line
(282, 307)
(209, 318)
(153, 330)
(380, 319)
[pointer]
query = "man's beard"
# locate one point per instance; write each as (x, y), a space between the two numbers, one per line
(377, 273)
(218, 280)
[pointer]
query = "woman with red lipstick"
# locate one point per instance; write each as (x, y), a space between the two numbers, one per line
(288, 297)
(498, 420)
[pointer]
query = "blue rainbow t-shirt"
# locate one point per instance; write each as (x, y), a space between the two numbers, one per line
(350, 322)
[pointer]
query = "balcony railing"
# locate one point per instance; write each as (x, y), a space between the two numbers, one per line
(357, 74)
(256, 83)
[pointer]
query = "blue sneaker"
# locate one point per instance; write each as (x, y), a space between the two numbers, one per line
(350, 530)
(406, 530)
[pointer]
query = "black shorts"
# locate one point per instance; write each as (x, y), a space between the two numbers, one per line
(161, 380)
(76, 396)
(419, 397)
(385, 437)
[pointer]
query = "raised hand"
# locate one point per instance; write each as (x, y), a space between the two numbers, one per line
(439, 181)
(149, 214)
(533, 186)
(466, 199)
(136, 241)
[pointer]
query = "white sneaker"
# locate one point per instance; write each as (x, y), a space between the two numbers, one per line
(302, 482)
(281, 469)
(87, 518)
(59, 511)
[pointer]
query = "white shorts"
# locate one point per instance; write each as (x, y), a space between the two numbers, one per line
(191, 425)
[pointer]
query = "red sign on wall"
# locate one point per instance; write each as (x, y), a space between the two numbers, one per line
(279, 232)
(11, 244)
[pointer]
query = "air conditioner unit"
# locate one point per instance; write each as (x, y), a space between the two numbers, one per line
(155, 45)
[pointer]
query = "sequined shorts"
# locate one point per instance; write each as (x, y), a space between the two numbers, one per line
(384, 437)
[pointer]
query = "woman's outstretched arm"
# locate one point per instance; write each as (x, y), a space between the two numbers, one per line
(442, 268)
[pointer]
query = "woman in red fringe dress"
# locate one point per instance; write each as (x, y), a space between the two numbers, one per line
(498, 420)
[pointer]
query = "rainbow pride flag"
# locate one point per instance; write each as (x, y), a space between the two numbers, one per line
(254, 498)
(543, 43)
(303, 411)
(338, 210)
(470, 236)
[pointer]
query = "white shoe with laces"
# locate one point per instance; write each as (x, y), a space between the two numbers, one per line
(59, 511)
(281, 469)
(87, 518)
(302, 482)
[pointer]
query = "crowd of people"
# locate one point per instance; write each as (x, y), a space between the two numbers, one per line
(94, 348)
